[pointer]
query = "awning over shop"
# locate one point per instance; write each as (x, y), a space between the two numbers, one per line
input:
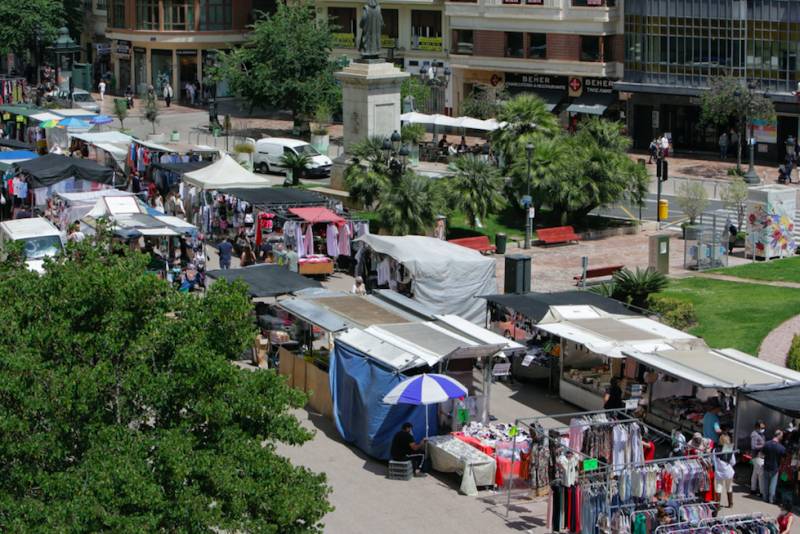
(272, 196)
(592, 103)
(316, 215)
(53, 168)
(711, 368)
(785, 399)
(77, 113)
(182, 167)
(311, 312)
(103, 137)
(476, 332)
(535, 306)
(46, 116)
(17, 145)
(224, 173)
(267, 280)
(22, 110)
(551, 97)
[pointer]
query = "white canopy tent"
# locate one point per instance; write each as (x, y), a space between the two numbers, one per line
(78, 205)
(225, 173)
(447, 121)
(94, 138)
(446, 277)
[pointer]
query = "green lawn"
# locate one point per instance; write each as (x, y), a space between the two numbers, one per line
(458, 227)
(786, 270)
(736, 315)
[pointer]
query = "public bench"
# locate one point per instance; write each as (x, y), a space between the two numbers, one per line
(480, 243)
(557, 234)
(597, 272)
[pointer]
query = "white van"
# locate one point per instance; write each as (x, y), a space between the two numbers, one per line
(269, 151)
(40, 238)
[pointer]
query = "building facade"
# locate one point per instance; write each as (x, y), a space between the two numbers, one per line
(150, 42)
(673, 48)
(569, 52)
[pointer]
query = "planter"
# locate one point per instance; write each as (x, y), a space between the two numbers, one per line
(175, 137)
(321, 142)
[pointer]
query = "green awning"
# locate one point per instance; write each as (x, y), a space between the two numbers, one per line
(592, 103)
(21, 109)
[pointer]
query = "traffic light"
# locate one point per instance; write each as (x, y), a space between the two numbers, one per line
(662, 170)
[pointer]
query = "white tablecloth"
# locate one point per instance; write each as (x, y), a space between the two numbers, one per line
(451, 455)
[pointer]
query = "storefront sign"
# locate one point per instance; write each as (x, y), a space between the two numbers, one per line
(388, 42)
(344, 40)
(102, 48)
(139, 50)
(594, 2)
(512, 1)
(186, 52)
(431, 44)
(575, 86)
(523, 82)
(535, 2)
(590, 464)
(598, 85)
(765, 131)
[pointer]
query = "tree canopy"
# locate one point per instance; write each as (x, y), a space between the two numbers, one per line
(21, 20)
(120, 410)
(284, 63)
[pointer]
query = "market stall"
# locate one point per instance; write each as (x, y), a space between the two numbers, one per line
(107, 148)
(443, 276)
(308, 224)
(68, 208)
(266, 280)
(54, 173)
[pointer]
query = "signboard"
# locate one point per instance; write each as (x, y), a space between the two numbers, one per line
(102, 48)
(139, 50)
(590, 464)
(535, 2)
(594, 2)
(186, 52)
(575, 86)
(512, 1)
(598, 85)
(765, 131)
(526, 361)
(388, 42)
(531, 212)
(525, 82)
(631, 404)
(344, 40)
(432, 44)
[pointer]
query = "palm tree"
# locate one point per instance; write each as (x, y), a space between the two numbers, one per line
(604, 133)
(476, 188)
(367, 178)
(296, 163)
(527, 120)
(409, 207)
(634, 287)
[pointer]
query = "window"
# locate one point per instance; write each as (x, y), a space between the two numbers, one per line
(178, 15)
(593, 3)
(590, 48)
(426, 30)
(537, 45)
(391, 24)
(514, 46)
(147, 15)
(464, 41)
(215, 15)
(344, 24)
(116, 15)
(265, 6)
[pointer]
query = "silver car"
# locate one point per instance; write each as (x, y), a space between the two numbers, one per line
(78, 99)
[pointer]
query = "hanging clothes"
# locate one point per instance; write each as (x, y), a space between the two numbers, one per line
(309, 240)
(332, 240)
(300, 241)
(344, 240)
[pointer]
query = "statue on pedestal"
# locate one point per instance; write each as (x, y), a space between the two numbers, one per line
(371, 25)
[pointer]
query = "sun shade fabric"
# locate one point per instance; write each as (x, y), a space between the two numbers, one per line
(274, 196)
(13, 143)
(224, 173)
(358, 386)
(53, 168)
(425, 389)
(446, 277)
(592, 103)
(267, 280)
(535, 306)
(104, 137)
(181, 168)
(316, 215)
(17, 155)
(785, 399)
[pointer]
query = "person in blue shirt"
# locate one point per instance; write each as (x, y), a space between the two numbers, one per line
(225, 252)
(711, 428)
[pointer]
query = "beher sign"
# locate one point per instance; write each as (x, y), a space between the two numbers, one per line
(579, 86)
(522, 82)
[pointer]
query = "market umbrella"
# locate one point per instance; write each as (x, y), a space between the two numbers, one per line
(101, 119)
(72, 122)
(52, 123)
(425, 389)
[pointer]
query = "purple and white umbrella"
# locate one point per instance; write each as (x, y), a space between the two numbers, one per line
(425, 389)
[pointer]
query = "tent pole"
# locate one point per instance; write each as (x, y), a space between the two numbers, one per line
(487, 388)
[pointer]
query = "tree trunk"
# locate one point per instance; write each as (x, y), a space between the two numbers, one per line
(739, 152)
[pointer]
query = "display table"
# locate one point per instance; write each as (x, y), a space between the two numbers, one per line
(315, 266)
(449, 454)
(503, 470)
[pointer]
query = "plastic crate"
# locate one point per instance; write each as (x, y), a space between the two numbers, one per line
(400, 470)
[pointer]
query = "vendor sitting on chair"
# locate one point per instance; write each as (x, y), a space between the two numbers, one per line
(404, 448)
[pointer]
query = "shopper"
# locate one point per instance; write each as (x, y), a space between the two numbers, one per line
(723, 145)
(613, 397)
(358, 287)
(168, 93)
(248, 256)
(664, 146)
(653, 148)
(101, 87)
(757, 443)
(711, 428)
(225, 252)
(785, 519)
(773, 452)
(404, 448)
(724, 460)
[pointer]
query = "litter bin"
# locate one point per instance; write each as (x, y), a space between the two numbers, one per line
(500, 240)
(663, 210)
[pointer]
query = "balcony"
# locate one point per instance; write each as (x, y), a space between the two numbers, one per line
(611, 69)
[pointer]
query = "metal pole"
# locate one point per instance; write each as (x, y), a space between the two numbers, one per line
(658, 193)
(528, 229)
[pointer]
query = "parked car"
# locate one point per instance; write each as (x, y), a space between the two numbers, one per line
(269, 151)
(40, 239)
(77, 99)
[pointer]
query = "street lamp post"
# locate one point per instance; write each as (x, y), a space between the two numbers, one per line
(396, 155)
(528, 220)
(751, 176)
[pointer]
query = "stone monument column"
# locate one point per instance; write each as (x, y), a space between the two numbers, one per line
(370, 92)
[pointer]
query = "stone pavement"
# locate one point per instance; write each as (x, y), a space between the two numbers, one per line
(775, 347)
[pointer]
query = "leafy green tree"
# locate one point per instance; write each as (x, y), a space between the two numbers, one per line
(21, 20)
(412, 134)
(151, 112)
(74, 17)
(476, 188)
(552, 173)
(296, 164)
(410, 206)
(121, 111)
(367, 177)
(692, 199)
(634, 287)
(735, 197)
(120, 410)
(527, 120)
(416, 89)
(728, 101)
(482, 104)
(285, 62)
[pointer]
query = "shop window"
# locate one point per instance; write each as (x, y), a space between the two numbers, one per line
(161, 69)
(391, 28)
(514, 45)
(344, 22)
(215, 15)
(116, 14)
(178, 15)
(464, 41)
(593, 3)
(147, 15)
(426, 30)
(537, 45)
(590, 48)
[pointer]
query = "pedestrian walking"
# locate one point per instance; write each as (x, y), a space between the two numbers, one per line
(653, 149)
(664, 146)
(732, 233)
(773, 454)
(167, 93)
(129, 96)
(734, 141)
(723, 145)
(102, 88)
(757, 443)
(225, 252)
(190, 92)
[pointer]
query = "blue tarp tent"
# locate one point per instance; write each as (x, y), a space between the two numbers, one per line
(358, 386)
(18, 155)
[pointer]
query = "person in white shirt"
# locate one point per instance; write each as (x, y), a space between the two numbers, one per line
(724, 460)
(358, 287)
(75, 234)
(664, 146)
(102, 88)
(757, 442)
